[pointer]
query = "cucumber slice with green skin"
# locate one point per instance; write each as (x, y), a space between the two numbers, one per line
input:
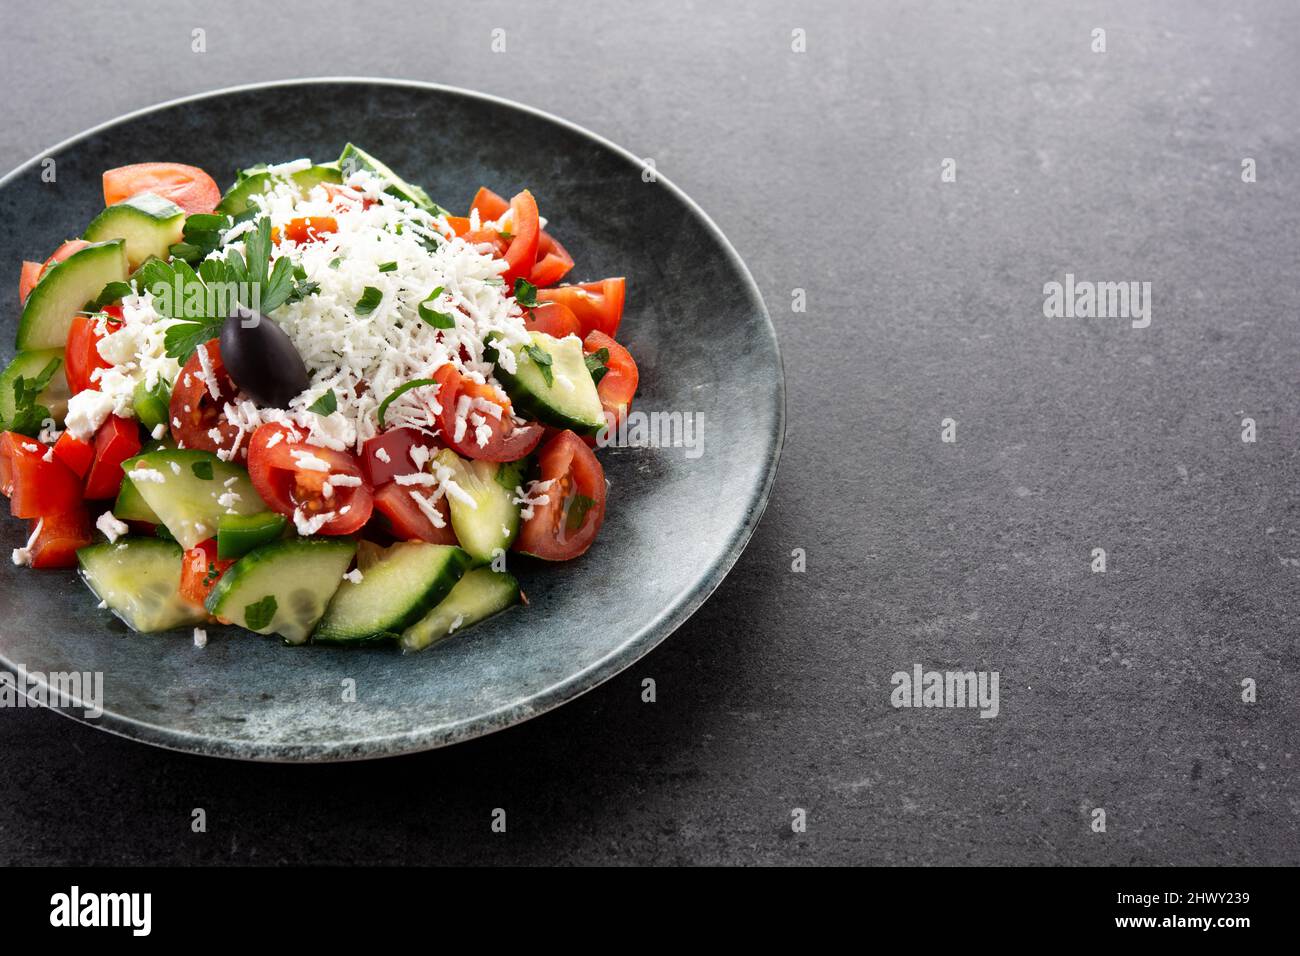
(152, 404)
(283, 587)
(172, 483)
(494, 521)
(149, 225)
(239, 534)
(29, 365)
(481, 593)
(253, 182)
(140, 579)
(401, 587)
(130, 506)
(64, 291)
(568, 399)
(354, 158)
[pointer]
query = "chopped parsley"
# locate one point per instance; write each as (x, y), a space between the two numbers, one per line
(369, 300)
(28, 416)
(388, 267)
(439, 320)
(597, 363)
(327, 404)
(526, 293)
(261, 613)
(202, 469)
(576, 512)
(542, 359)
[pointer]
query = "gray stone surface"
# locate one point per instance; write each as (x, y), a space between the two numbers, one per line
(924, 302)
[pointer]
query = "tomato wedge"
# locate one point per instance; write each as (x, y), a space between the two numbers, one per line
(553, 263)
(388, 454)
(81, 356)
(306, 229)
(618, 383)
(566, 525)
(522, 254)
(187, 186)
(27, 281)
(36, 487)
(117, 440)
(406, 520)
(193, 413)
(286, 473)
(488, 204)
(598, 305)
(201, 569)
(459, 422)
(59, 536)
(552, 318)
(78, 455)
(459, 225)
(32, 271)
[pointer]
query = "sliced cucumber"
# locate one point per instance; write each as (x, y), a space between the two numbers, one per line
(481, 593)
(148, 224)
(566, 397)
(130, 506)
(354, 158)
(239, 534)
(283, 587)
(140, 579)
(29, 365)
(174, 483)
(152, 405)
(253, 182)
(64, 291)
(396, 591)
(492, 522)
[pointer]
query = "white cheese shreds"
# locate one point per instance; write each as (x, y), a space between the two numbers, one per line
(110, 526)
(382, 455)
(309, 526)
(305, 459)
(200, 637)
(146, 474)
(532, 496)
(23, 555)
(354, 576)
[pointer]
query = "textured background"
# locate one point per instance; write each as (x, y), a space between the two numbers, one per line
(924, 302)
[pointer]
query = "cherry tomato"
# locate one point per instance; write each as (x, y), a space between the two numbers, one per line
(459, 225)
(187, 186)
(292, 488)
(567, 524)
(81, 356)
(395, 445)
(201, 569)
(598, 305)
(507, 441)
(406, 520)
(553, 318)
(117, 440)
(194, 413)
(78, 455)
(617, 386)
(36, 487)
(306, 229)
(59, 537)
(27, 281)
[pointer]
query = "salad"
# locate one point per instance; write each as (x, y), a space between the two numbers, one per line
(318, 406)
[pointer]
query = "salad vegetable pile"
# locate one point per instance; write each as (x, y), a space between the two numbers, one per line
(318, 406)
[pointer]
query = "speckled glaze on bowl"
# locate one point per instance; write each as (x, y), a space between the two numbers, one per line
(694, 321)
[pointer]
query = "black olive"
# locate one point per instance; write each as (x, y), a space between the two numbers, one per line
(261, 359)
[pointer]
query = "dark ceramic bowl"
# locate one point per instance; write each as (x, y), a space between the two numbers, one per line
(676, 521)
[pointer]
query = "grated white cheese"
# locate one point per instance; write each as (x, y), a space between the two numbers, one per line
(23, 556)
(200, 637)
(354, 576)
(382, 455)
(146, 474)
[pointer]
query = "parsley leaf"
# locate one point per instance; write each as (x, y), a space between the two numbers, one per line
(28, 417)
(542, 359)
(261, 613)
(336, 262)
(526, 293)
(439, 320)
(112, 293)
(202, 469)
(369, 300)
(327, 404)
(597, 364)
(388, 267)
